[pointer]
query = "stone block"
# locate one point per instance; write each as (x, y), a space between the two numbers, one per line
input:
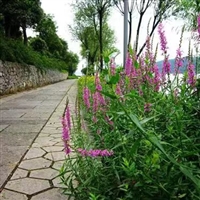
(28, 186)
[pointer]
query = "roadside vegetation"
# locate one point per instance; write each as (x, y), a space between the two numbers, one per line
(46, 50)
(135, 131)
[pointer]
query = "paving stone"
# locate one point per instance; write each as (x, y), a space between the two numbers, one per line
(43, 143)
(3, 126)
(44, 134)
(41, 139)
(55, 156)
(56, 139)
(9, 195)
(19, 173)
(56, 135)
(58, 164)
(51, 131)
(53, 148)
(44, 173)
(28, 185)
(52, 194)
(36, 145)
(9, 158)
(59, 144)
(23, 128)
(58, 183)
(34, 153)
(36, 163)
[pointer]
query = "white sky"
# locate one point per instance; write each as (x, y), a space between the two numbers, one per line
(63, 16)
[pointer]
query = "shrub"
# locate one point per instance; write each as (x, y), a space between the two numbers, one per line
(16, 51)
(141, 136)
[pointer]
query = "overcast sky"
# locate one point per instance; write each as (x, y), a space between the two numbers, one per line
(63, 16)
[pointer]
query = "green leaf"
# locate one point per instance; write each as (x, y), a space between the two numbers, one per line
(154, 140)
(106, 59)
(136, 64)
(114, 79)
(190, 175)
(108, 95)
(137, 122)
(147, 119)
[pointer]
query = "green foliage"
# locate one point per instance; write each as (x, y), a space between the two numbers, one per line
(86, 28)
(20, 14)
(16, 51)
(153, 133)
(50, 51)
(188, 10)
(72, 77)
(38, 44)
(48, 32)
(88, 70)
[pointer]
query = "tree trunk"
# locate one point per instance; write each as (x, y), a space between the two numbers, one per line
(155, 24)
(101, 39)
(138, 32)
(130, 29)
(7, 26)
(25, 35)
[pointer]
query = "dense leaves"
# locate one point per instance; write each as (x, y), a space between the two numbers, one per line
(148, 120)
(91, 29)
(17, 15)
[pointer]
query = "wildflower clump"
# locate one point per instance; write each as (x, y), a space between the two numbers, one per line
(142, 135)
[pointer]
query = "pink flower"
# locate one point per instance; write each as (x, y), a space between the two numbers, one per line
(176, 92)
(98, 132)
(65, 133)
(86, 97)
(95, 152)
(66, 127)
(98, 83)
(178, 60)
(67, 148)
(109, 121)
(128, 65)
(95, 102)
(156, 80)
(118, 90)
(166, 66)
(191, 74)
(147, 107)
(112, 66)
(163, 40)
(67, 114)
(94, 119)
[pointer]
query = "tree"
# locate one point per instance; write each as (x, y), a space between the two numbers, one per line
(97, 10)
(48, 32)
(38, 44)
(188, 10)
(20, 13)
(93, 37)
(162, 10)
(52, 44)
(72, 61)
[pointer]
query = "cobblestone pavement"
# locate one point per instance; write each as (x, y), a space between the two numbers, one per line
(30, 142)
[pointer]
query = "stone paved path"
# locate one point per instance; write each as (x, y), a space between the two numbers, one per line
(31, 147)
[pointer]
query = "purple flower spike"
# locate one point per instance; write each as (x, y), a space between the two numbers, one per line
(86, 97)
(128, 65)
(95, 152)
(191, 75)
(163, 40)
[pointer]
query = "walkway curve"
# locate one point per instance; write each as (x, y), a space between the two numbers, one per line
(30, 142)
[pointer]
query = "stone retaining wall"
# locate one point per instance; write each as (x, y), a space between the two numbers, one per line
(15, 77)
